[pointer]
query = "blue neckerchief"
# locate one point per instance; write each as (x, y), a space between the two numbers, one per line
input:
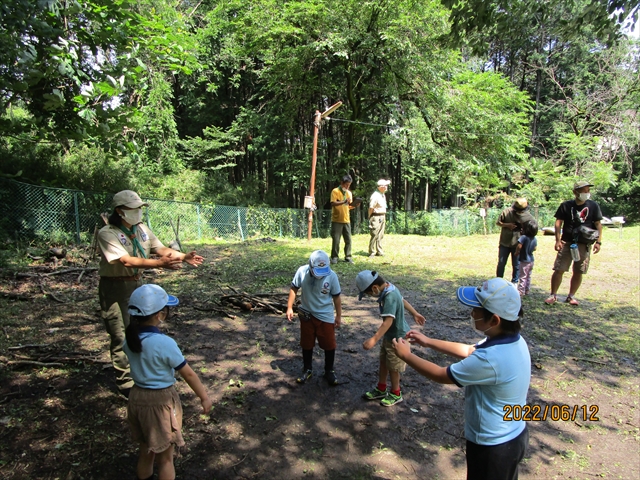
(498, 340)
(383, 294)
(149, 329)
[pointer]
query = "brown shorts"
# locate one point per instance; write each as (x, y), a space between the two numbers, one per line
(312, 328)
(563, 259)
(155, 417)
(391, 359)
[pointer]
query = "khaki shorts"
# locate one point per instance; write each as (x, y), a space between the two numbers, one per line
(389, 356)
(563, 259)
(155, 417)
(312, 328)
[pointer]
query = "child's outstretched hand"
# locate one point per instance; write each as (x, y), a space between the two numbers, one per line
(401, 347)
(417, 337)
(206, 405)
(419, 318)
(368, 344)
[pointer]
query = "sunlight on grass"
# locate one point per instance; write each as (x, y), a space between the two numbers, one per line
(426, 267)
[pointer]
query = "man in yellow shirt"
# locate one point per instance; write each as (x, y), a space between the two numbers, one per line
(341, 199)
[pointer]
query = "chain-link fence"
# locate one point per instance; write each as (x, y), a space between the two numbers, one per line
(30, 212)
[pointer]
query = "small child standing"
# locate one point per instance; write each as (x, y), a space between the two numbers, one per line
(320, 295)
(527, 243)
(394, 326)
(154, 410)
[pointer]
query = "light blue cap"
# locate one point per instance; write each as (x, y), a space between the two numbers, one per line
(149, 299)
(496, 295)
(319, 264)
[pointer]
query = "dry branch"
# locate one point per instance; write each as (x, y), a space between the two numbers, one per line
(577, 359)
(29, 345)
(49, 294)
(15, 296)
(32, 362)
(251, 302)
(57, 272)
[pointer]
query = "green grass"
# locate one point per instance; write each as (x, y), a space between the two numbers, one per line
(604, 325)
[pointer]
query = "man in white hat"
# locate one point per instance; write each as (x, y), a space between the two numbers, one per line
(377, 218)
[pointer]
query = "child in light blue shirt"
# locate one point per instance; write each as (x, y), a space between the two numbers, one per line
(495, 374)
(154, 410)
(320, 296)
(527, 243)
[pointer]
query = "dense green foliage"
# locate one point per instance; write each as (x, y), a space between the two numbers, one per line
(214, 101)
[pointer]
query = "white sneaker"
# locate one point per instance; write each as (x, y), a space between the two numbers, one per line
(334, 260)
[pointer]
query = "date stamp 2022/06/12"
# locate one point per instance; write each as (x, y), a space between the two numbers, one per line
(555, 413)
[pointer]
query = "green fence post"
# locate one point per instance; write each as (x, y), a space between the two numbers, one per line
(199, 226)
(466, 221)
(75, 207)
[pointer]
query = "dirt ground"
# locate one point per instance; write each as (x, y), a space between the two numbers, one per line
(64, 420)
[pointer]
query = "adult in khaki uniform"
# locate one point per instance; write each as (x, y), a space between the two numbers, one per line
(341, 199)
(377, 218)
(126, 244)
(511, 221)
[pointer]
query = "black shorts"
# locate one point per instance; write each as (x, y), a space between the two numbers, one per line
(496, 462)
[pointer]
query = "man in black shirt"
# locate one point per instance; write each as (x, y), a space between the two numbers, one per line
(570, 216)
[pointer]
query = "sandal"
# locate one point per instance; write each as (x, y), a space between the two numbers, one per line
(552, 299)
(571, 301)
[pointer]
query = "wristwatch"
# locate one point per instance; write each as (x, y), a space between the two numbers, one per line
(599, 243)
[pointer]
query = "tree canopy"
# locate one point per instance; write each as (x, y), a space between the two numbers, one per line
(456, 102)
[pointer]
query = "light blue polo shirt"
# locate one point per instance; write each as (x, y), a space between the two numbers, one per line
(317, 293)
(496, 374)
(155, 366)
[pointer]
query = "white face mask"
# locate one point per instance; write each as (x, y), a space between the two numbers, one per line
(584, 196)
(473, 325)
(132, 217)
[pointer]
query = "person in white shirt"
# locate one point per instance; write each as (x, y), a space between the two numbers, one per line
(377, 218)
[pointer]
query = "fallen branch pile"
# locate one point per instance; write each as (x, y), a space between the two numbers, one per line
(266, 302)
(238, 300)
(41, 355)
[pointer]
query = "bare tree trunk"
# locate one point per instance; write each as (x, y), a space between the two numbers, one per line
(426, 196)
(408, 195)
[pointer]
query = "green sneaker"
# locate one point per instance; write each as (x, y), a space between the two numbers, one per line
(306, 375)
(391, 399)
(374, 394)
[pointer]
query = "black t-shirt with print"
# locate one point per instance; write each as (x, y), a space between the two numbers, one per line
(574, 215)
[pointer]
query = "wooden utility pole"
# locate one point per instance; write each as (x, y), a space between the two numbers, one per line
(310, 202)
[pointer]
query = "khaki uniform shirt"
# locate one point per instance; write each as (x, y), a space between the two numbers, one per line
(340, 214)
(114, 244)
(509, 238)
(378, 202)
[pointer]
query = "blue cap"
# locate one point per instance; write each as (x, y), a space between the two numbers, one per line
(149, 299)
(496, 295)
(319, 264)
